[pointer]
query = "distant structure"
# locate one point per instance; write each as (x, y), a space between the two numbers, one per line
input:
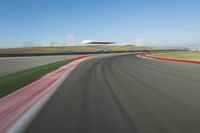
(194, 48)
(70, 39)
(96, 42)
(55, 44)
(139, 42)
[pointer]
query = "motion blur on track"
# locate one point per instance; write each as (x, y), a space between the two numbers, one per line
(124, 94)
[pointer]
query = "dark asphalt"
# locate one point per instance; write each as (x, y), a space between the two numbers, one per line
(124, 94)
(9, 65)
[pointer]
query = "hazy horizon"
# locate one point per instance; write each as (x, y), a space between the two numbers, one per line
(153, 22)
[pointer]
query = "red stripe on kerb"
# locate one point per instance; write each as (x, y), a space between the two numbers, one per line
(80, 57)
(169, 59)
(15, 105)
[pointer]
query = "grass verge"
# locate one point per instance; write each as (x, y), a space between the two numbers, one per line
(180, 55)
(13, 82)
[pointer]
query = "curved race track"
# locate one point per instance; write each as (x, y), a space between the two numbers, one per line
(124, 94)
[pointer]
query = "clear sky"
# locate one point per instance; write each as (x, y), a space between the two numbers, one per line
(156, 22)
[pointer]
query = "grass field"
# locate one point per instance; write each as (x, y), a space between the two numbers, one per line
(13, 82)
(74, 49)
(180, 55)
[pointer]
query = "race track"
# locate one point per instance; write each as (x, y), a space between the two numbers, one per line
(124, 94)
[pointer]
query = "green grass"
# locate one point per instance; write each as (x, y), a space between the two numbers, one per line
(13, 82)
(180, 55)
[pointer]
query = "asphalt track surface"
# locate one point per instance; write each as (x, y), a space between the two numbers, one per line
(124, 94)
(11, 65)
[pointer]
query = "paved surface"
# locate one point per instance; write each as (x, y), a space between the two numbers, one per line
(14, 64)
(124, 94)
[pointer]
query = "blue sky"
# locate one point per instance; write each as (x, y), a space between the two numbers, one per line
(156, 22)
